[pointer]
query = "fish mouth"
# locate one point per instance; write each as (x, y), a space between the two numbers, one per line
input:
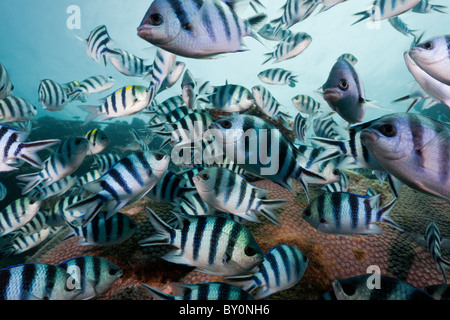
(331, 95)
(369, 136)
(144, 30)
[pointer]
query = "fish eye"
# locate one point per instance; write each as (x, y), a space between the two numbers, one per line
(323, 221)
(112, 272)
(305, 258)
(32, 202)
(226, 124)
(348, 289)
(204, 176)
(388, 130)
(428, 45)
(336, 172)
(343, 84)
(307, 212)
(156, 19)
(159, 157)
(249, 251)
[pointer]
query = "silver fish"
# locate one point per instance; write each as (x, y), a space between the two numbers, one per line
(385, 9)
(52, 95)
(17, 214)
(295, 11)
(98, 140)
(278, 76)
(290, 47)
(15, 109)
(97, 44)
(306, 104)
(128, 64)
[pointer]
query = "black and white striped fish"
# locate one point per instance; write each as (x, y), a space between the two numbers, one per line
(18, 213)
(93, 275)
(23, 243)
(161, 69)
(35, 225)
(173, 77)
(198, 28)
(60, 214)
(301, 125)
(290, 47)
(278, 76)
(192, 204)
(170, 189)
(283, 267)
(55, 189)
(201, 291)
(434, 240)
(425, 6)
(343, 213)
(306, 104)
(91, 85)
(15, 109)
(121, 103)
(268, 33)
(36, 281)
(295, 11)
(64, 161)
(105, 161)
(213, 244)
(104, 231)
(128, 64)
(52, 95)
(229, 192)
(169, 105)
(98, 141)
(129, 179)
(97, 44)
(385, 9)
(326, 127)
(356, 288)
(14, 148)
(6, 86)
(269, 105)
(242, 138)
(231, 98)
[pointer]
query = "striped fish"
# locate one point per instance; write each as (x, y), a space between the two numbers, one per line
(192, 204)
(326, 127)
(353, 60)
(425, 6)
(17, 214)
(105, 161)
(170, 189)
(127, 63)
(34, 225)
(306, 104)
(103, 231)
(295, 11)
(199, 28)
(283, 267)
(6, 86)
(97, 44)
(98, 141)
(60, 213)
(385, 9)
(229, 192)
(36, 281)
(201, 291)
(13, 148)
(438, 291)
(23, 243)
(434, 241)
(169, 105)
(173, 77)
(3, 192)
(301, 125)
(231, 98)
(161, 69)
(160, 120)
(123, 102)
(94, 275)
(278, 76)
(213, 244)
(91, 85)
(343, 213)
(412, 148)
(129, 179)
(356, 288)
(52, 95)
(15, 109)
(278, 161)
(290, 47)
(268, 33)
(339, 186)
(270, 106)
(55, 189)
(64, 161)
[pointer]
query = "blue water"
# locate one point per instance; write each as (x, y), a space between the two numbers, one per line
(36, 44)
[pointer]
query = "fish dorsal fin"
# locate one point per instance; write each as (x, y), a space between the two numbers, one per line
(374, 201)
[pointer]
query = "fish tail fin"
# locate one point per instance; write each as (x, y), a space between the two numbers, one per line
(365, 15)
(267, 208)
(30, 150)
(254, 23)
(438, 8)
(31, 180)
(156, 294)
(162, 229)
(383, 215)
(94, 112)
(90, 206)
(269, 55)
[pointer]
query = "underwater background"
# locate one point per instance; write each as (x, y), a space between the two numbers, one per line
(37, 44)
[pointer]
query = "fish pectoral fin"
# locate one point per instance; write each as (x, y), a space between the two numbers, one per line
(175, 256)
(432, 151)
